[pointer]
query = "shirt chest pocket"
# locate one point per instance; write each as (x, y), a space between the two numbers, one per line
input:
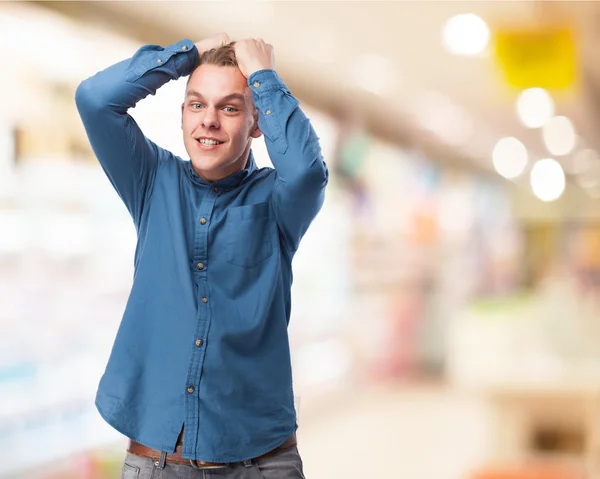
(248, 235)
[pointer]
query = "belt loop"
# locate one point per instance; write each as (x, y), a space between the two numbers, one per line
(248, 463)
(161, 462)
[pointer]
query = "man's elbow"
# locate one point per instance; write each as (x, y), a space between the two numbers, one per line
(317, 174)
(88, 97)
(84, 97)
(309, 183)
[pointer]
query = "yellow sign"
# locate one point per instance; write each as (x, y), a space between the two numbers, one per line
(537, 57)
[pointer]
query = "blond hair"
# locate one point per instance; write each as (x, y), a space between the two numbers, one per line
(223, 56)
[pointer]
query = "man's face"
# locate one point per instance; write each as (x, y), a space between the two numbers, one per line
(218, 121)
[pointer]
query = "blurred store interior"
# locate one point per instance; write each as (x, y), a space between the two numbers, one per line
(445, 324)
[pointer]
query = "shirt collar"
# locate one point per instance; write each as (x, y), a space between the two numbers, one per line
(230, 181)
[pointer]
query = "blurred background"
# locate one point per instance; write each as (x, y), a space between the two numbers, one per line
(446, 319)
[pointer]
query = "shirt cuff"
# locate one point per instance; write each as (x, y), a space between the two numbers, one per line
(192, 57)
(266, 80)
(268, 92)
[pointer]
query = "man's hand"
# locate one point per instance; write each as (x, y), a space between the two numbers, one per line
(253, 54)
(213, 42)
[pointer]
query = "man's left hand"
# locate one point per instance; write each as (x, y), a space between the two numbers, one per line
(213, 42)
(253, 54)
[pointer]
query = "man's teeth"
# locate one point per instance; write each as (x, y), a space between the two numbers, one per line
(209, 142)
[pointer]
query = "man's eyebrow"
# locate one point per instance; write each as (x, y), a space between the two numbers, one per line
(193, 93)
(233, 96)
(225, 99)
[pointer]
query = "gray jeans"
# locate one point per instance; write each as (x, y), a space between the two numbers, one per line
(286, 465)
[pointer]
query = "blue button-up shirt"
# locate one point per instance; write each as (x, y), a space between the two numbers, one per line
(203, 340)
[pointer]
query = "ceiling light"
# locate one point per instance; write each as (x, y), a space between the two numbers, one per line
(509, 157)
(559, 135)
(465, 34)
(547, 179)
(535, 107)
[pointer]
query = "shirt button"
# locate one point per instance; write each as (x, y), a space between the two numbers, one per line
(191, 389)
(216, 189)
(198, 342)
(204, 299)
(268, 112)
(202, 221)
(256, 84)
(184, 48)
(200, 266)
(159, 61)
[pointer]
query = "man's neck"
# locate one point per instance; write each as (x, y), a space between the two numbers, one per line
(241, 164)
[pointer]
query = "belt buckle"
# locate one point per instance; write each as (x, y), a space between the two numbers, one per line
(199, 467)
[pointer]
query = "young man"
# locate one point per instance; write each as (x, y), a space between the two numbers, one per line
(199, 377)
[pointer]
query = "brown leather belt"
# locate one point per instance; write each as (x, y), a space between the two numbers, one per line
(176, 457)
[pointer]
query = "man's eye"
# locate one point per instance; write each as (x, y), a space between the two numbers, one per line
(194, 105)
(230, 109)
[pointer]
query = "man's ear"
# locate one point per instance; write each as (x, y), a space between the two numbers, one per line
(256, 133)
(182, 105)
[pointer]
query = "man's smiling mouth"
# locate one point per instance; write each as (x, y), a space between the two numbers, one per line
(208, 142)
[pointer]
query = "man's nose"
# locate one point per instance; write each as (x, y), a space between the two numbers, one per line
(211, 118)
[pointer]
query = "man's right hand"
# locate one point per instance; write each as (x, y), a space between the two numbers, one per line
(213, 42)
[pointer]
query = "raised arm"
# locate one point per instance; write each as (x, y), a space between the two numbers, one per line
(128, 158)
(291, 141)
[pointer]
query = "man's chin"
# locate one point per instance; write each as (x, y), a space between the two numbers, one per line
(209, 170)
(207, 164)
(216, 168)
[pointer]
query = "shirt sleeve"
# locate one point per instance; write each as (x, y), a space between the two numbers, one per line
(128, 158)
(295, 151)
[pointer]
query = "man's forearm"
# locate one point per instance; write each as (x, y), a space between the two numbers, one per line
(293, 145)
(122, 85)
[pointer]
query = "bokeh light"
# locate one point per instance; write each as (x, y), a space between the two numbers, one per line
(509, 157)
(559, 135)
(465, 34)
(535, 107)
(547, 179)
